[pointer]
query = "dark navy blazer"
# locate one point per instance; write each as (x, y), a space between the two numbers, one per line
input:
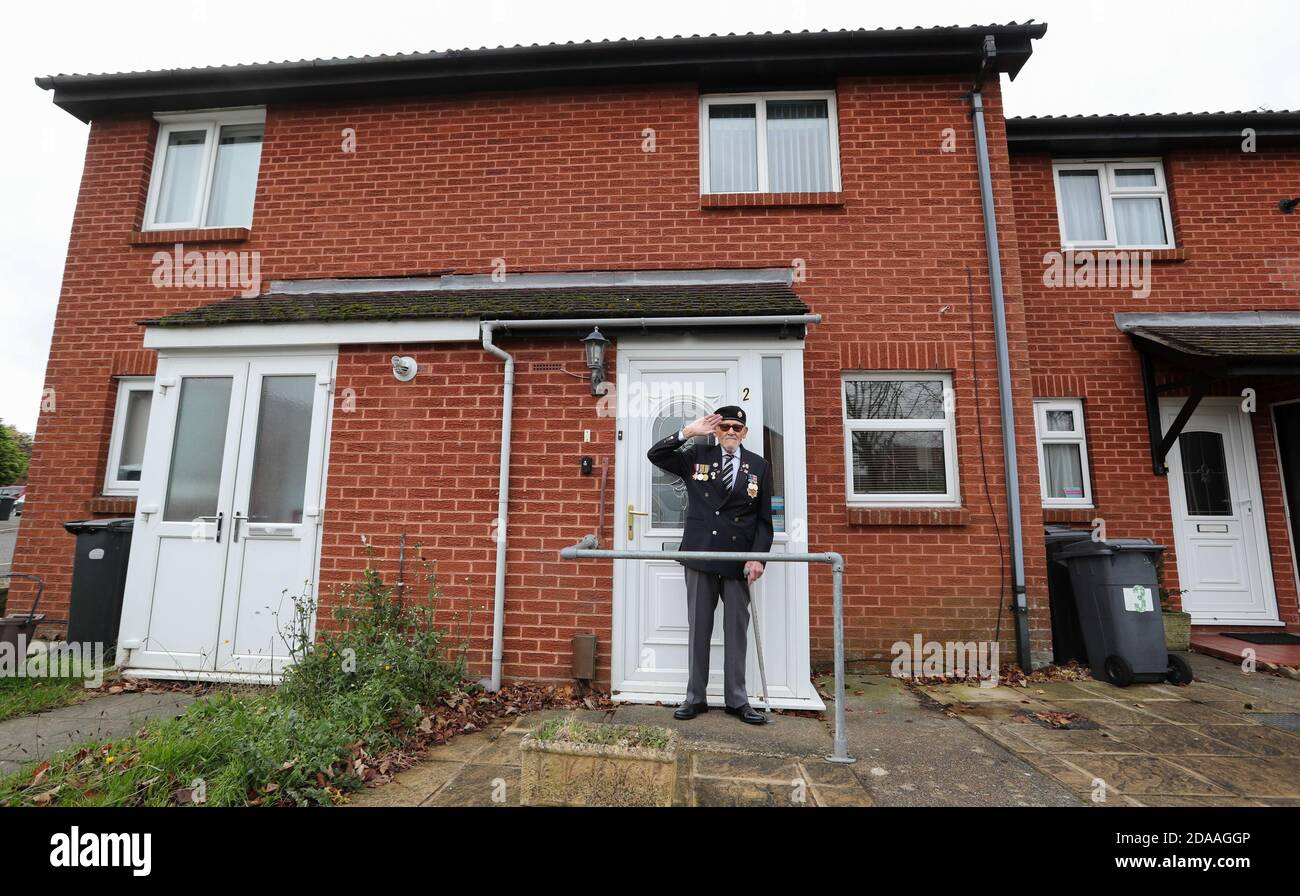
(734, 521)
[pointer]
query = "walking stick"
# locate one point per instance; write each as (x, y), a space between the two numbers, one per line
(758, 646)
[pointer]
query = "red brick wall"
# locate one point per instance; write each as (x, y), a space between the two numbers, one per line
(1236, 245)
(555, 181)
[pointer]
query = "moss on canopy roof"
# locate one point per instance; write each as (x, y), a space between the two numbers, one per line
(521, 303)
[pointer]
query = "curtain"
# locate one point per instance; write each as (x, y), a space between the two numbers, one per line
(798, 147)
(1081, 206)
(180, 178)
(733, 148)
(234, 179)
(1139, 222)
(1064, 471)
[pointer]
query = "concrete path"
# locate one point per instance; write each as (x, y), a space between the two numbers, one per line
(1227, 739)
(907, 755)
(40, 736)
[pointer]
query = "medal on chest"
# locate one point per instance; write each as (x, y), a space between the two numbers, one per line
(752, 489)
(701, 472)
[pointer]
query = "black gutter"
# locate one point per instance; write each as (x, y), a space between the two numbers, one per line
(1084, 134)
(713, 62)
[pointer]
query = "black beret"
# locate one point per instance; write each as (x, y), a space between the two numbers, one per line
(732, 412)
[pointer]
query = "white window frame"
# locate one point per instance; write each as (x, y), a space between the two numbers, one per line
(948, 426)
(760, 101)
(212, 122)
(125, 386)
(1080, 437)
(1105, 169)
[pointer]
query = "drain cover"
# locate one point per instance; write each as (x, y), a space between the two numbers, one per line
(1287, 721)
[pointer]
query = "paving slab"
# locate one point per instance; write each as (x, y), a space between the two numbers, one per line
(913, 755)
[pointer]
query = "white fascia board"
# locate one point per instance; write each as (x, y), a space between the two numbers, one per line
(312, 333)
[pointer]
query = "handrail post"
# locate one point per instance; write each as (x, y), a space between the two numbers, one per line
(588, 548)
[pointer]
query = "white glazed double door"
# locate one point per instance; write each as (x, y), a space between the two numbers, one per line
(228, 516)
(661, 389)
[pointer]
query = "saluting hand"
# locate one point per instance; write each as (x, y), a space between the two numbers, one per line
(702, 426)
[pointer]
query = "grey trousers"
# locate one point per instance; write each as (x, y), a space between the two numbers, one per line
(702, 592)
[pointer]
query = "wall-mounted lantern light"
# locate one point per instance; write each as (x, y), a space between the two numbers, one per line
(594, 345)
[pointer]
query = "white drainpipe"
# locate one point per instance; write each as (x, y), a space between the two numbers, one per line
(507, 413)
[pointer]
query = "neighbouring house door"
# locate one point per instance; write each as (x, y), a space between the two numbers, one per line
(1218, 515)
(228, 516)
(1286, 425)
(660, 388)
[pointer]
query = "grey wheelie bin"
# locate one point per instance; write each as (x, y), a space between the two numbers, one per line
(1118, 599)
(98, 579)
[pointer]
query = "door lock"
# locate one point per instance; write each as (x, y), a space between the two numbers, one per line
(218, 519)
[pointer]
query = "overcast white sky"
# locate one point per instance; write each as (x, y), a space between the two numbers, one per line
(1128, 56)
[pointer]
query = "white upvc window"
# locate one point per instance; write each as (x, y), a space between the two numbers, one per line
(1113, 204)
(769, 143)
(205, 170)
(1062, 453)
(900, 439)
(130, 426)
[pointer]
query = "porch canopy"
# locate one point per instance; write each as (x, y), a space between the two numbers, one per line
(451, 307)
(1204, 349)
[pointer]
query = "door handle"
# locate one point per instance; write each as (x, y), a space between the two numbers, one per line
(234, 526)
(632, 514)
(218, 518)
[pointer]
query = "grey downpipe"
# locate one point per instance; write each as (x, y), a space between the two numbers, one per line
(507, 415)
(588, 549)
(1020, 606)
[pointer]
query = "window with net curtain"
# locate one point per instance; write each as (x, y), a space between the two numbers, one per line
(206, 174)
(770, 145)
(1113, 204)
(1062, 453)
(900, 439)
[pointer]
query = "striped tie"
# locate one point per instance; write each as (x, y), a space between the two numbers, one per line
(728, 473)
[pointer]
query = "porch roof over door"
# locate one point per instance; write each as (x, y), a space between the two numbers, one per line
(1204, 348)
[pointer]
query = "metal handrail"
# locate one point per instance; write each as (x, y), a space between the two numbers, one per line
(588, 549)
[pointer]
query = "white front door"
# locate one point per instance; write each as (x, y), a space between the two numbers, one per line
(228, 516)
(660, 388)
(1223, 562)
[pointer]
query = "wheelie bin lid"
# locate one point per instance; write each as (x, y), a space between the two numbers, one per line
(1108, 547)
(115, 524)
(1057, 535)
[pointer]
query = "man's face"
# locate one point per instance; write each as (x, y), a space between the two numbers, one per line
(730, 434)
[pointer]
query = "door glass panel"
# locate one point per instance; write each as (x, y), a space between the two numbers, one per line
(1205, 474)
(774, 437)
(283, 442)
(668, 492)
(199, 448)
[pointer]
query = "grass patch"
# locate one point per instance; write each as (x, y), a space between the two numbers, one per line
(27, 696)
(358, 692)
(572, 731)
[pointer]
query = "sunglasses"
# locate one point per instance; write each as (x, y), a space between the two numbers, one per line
(731, 427)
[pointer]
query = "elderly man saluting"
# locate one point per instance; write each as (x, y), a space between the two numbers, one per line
(729, 508)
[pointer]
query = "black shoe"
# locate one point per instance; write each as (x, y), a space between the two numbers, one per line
(689, 711)
(747, 714)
